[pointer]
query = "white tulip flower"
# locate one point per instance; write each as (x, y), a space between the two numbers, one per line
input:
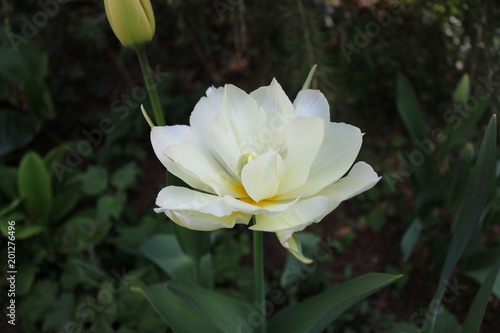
(259, 154)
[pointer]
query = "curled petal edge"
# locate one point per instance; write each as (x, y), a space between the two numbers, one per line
(291, 242)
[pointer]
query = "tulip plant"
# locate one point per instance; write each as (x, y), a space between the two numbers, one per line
(255, 159)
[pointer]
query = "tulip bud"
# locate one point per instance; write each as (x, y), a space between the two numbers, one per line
(132, 21)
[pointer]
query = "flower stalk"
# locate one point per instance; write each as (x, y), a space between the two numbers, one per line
(151, 87)
(258, 264)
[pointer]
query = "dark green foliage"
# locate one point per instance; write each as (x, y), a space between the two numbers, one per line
(83, 199)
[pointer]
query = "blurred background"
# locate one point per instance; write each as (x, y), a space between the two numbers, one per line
(79, 177)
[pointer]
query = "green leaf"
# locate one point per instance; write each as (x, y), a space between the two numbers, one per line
(176, 313)
(403, 328)
(474, 202)
(126, 176)
(13, 205)
(56, 154)
(310, 76)
(94, 181)
(411, 113)
(57, 316)
(316, 313)
(63, 204)
(38, 97)
(465, 124)
(16, 216)
(111, 206)
(475, 316)
(80, 233)
(25, 278)
(409, 108)
(462, 91)
(129, 238)
(478, 266)
(27, 231)
(17, 129)
(8, 185)
(86, 273)
(35, 186)
(206, 271)
(164, 250)
(38, 303)
(34, 59)
(13, 66)
(194, 243)
(227, 313)
(410, 238)
(445, 322)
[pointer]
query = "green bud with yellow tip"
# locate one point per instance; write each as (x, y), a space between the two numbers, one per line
(132, 21)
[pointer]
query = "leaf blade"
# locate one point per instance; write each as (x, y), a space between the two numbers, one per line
(175, 313)
(475, 200)
(409, 108)
(475, 316)
(35, 186)
(317, 312)
(226, 313)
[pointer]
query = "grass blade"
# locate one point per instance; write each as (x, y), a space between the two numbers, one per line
(475, 200)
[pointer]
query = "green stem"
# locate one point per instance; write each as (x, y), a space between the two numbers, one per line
(258, 264)
(151, 87)
(160, 121)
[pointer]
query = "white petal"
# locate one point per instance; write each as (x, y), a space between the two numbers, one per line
(204, 113)
(361, 178)
(165, 136)
(206, 222)
(303, 141)
(311, 103)
(239, 116)
(341, 145)
(302, 214)
(225, 148)
(198, 211)
(202, 122)
(182, 198)
(276, 104)
(291, 242)
(236, 130)
(261, 177)
(197, 163)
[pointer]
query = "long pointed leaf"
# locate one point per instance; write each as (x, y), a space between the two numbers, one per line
(475, 200)
(476, 313)
(176, 313)
(410, 111)
(465, 123)
(316, 313)
(309, 78)
(479, 265)
(409, 108)
(463, 90)
(410, 238)
(227, 313)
